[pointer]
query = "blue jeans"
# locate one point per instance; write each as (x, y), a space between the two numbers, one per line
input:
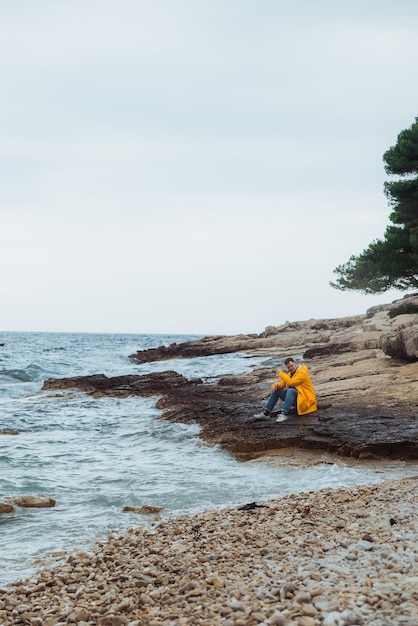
(289, 397)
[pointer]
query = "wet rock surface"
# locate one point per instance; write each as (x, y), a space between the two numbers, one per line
(26, 502)
(34, 502)
(367, 400)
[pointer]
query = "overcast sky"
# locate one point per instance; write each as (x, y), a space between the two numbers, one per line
(195, 166)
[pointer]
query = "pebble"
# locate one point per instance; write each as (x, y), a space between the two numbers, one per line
(325, 558)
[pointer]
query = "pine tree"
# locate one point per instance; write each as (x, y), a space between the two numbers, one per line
(391, 262)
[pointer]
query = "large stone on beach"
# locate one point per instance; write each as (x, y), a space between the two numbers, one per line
(145, 509)
(34, 502)
(6, 507)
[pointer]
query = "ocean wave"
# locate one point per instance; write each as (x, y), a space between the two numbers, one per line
(31, 373)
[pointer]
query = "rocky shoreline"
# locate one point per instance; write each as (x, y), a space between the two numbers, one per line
(364, 369)
(342, 557)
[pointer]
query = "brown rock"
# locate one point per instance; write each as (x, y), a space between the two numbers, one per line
(205, 347)
(6, 507)
(269, 331)
(403, 342)
(112, 620)
(145, 509)
(38, 502)
(401, 338)
(82, 614)
(408, 305)
(101, 385)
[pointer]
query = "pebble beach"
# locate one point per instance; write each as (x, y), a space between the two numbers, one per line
(335, 557)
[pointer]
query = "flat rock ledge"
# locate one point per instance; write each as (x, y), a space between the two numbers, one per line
(367, 399)
(392, 327)
(342, 557)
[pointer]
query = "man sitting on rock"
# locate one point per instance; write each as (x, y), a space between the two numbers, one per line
(295, 389)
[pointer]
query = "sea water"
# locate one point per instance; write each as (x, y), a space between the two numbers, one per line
(96, 456)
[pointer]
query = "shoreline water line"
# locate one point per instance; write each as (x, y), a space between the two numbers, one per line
(96, 456)
(335, 556)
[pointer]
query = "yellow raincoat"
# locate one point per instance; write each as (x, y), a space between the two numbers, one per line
(306, 400)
